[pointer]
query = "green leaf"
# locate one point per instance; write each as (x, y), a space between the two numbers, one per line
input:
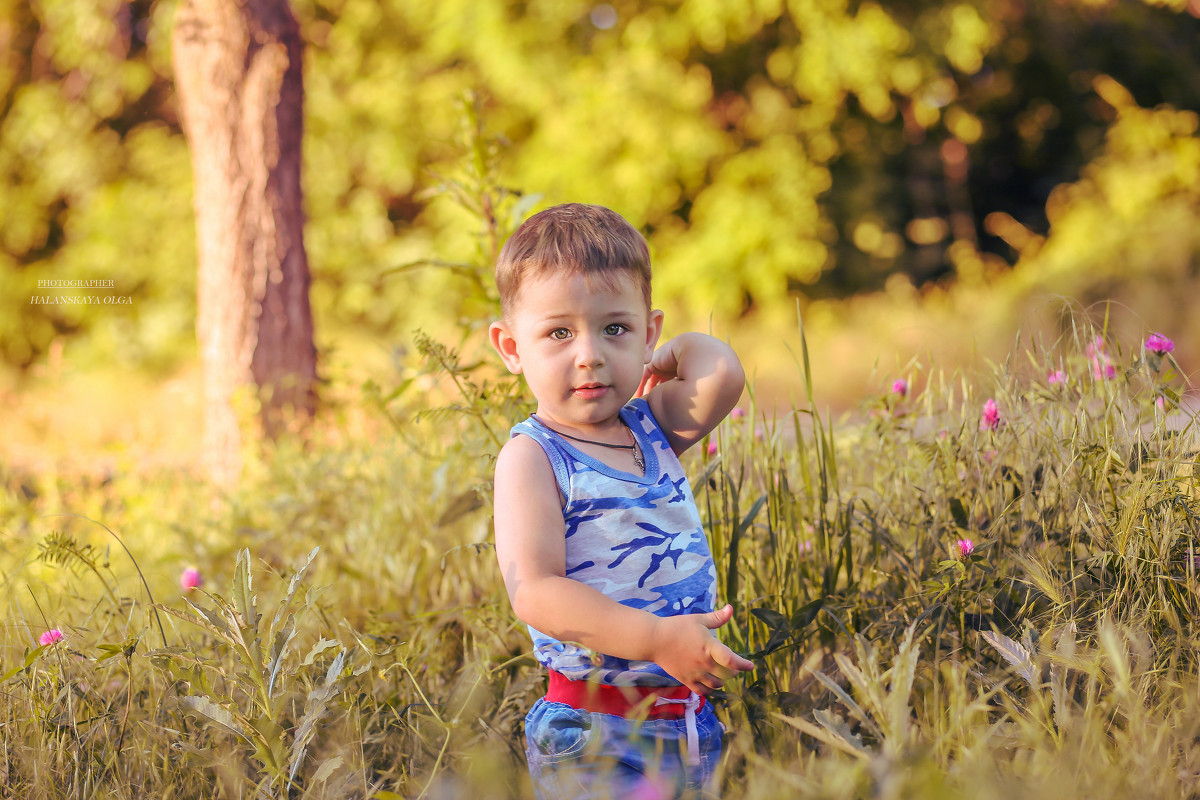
(125, 648)
(243, 591)
(838, 727)
(320, 647)
(1014, 654)
(832, 732)
(806, 614)
(218, 715)
(851, 705)
(314, 710)
(904, 670)
(279, 650)
(206, 619)
(293, 585)
(269, 744)
(959, 513)
(773, 619)
(30, 657)
(327, 768)
(780, 631)
(168, 659)
(748, 520)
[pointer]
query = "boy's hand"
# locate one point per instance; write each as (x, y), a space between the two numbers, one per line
(692, 655)
(663, 367)
(691, 383)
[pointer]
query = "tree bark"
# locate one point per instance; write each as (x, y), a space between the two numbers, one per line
(238, 73)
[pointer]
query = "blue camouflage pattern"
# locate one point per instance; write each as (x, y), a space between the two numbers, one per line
(636, 538)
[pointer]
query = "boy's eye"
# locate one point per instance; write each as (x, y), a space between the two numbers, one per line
(560, 333)
(615, 329)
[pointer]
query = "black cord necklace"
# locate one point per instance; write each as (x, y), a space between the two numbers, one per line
(638, 461)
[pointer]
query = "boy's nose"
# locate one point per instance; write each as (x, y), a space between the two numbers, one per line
(588, 352)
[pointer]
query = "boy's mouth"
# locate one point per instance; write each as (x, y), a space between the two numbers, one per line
(590, 391)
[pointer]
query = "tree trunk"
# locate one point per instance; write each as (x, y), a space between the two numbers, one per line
(238, 72)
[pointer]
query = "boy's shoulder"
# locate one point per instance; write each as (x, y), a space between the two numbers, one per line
(524, 462)
(519, 448)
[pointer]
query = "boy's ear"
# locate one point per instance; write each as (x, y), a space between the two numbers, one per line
(506, 345)
(654, 326)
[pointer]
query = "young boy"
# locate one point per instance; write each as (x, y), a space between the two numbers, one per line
(597, 533)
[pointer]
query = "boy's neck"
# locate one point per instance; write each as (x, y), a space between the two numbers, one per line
(612, 432)
(620, 452)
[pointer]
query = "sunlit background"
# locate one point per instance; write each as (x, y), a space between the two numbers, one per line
(920, 182)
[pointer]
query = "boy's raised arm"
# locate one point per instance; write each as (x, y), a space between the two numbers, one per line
(692, 382)
(531, 551)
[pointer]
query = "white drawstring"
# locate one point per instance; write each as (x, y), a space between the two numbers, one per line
(690, 704)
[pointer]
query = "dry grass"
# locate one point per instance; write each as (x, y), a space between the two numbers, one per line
(1058, 659)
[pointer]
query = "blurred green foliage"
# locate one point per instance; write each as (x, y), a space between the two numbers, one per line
(770, 149)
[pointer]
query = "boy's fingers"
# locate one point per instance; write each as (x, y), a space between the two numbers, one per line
(715, 619)
(649, 380)
(736, 663)
(743, 664)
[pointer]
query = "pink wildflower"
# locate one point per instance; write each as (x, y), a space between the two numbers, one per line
(991, 415)
(1161, 402)
(737, 413)
(900, 387)
(51, 636)
(712, 448)
(1057, 378)
(963, 548)
(989, 455)
(1102, 366)
(191, 579)
(805, 548)
(1159, 344)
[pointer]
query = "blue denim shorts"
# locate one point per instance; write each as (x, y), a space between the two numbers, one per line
(587, 755)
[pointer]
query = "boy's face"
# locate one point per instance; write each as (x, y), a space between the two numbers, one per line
(581, 349)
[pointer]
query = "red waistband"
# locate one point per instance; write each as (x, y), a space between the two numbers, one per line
(623, 701)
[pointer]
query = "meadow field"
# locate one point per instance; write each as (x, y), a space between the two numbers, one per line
(965, 560)
(977, 586)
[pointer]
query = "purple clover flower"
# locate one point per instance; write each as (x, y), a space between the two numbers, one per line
(191, 579)
(1159, 344)
(990, 419)
(52, 636)
(1102, 366)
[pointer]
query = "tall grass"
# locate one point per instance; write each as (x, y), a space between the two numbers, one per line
(352, 637)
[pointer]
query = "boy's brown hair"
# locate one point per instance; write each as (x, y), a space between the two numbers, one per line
(574, 238)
